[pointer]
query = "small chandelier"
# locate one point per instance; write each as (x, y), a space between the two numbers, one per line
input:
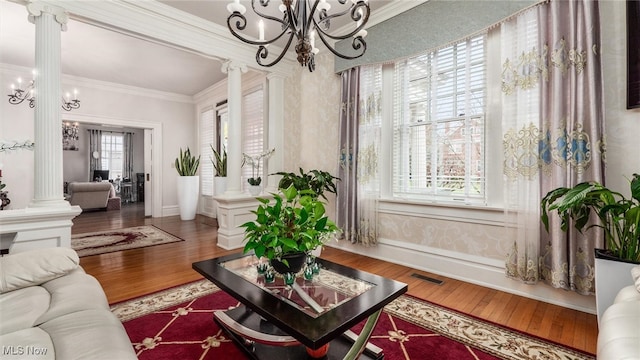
(18, 95)
(70, 131)
(304, 19)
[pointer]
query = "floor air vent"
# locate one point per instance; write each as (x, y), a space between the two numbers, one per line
(429, 279)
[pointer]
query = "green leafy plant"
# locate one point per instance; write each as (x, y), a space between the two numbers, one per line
(187, 165)
(317, 181)
(293, 222)
(219, 161)
(618, 216)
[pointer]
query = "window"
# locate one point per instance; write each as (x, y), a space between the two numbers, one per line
(207, 134)
(253, 129)
(439, 122)
(112, 154)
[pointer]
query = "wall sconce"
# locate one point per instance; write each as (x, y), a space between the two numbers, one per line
(19, 94)
(70, 136)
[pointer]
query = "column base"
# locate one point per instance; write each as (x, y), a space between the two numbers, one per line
(233, 211)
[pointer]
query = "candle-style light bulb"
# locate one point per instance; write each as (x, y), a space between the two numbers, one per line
(261, 30)
(66, 97)
(75, 94)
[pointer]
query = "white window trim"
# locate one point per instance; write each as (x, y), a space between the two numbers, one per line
(493, 152)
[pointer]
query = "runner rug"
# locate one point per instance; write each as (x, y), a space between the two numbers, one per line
(101, 242)
(178, 324)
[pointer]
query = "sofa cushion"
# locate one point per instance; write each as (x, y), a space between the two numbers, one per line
(75, 292)
(89, 334)
(21, 309)
(35, 267)
(628, 293)
(635, 273)
(618, 336)
(27, 344)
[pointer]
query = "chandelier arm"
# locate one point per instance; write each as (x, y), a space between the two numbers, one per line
(265, 16)
(241, 26)
(357, 44)
(263, 52)
(311, 20)
(355, 17)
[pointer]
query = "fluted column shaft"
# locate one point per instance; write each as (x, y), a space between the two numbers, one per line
(276, 130)
(234, 72)
(48, 183)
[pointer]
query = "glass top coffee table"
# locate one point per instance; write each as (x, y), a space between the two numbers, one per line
(279, 321)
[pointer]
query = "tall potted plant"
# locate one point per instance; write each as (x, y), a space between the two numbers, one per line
(287, 228)
(219, 161)
(188, 184)
(619, 219)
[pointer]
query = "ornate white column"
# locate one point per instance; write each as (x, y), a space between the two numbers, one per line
(234, 72)
(48, 178)
(276, 130)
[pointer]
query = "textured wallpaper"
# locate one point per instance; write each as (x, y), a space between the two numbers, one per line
(312, 141)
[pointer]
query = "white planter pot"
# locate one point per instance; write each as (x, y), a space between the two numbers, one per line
(219, 185)
(255, 190)
(611, 276)
(188, 191)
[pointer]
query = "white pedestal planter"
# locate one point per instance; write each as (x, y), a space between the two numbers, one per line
(219, 185)
(188, 191)
(611, 276)
(255, 190)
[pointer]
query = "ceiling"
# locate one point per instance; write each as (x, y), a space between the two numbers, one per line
(97, 53)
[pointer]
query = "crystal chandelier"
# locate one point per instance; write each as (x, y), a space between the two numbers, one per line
(18, 95)
(304, 20)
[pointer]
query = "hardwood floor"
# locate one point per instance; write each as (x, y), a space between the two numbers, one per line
(131, 273)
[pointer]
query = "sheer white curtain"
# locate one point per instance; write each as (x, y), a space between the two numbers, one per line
(370, 122)
(521, 77)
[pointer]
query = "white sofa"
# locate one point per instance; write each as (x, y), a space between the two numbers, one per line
(51, 309)
(619, 330)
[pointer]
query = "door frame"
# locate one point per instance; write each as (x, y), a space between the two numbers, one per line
(154, 148)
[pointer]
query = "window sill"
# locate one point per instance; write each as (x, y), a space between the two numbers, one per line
(442, 210)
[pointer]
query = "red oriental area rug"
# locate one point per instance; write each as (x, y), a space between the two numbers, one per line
(101, 242)
(178, 324)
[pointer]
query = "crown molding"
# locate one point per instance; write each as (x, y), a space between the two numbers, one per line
(386, 12)
(151, 20)
(104, 85)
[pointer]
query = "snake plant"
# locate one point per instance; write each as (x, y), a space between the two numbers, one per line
(187, 165)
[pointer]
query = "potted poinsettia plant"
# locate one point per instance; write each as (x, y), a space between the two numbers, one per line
(255, 162)
(287, 228)
(619, 219)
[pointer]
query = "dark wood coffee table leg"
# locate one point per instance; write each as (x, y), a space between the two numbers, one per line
(261, 340)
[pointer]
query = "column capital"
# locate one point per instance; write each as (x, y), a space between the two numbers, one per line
(275, 76)
(231, 65)
(36, 9)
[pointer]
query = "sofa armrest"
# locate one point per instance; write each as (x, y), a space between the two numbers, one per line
(35, 267)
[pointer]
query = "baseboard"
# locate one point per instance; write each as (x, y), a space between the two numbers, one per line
(469, 268)
(171, 210)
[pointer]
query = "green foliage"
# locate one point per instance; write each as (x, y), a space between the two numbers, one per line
(619, 217)
(187, 165)
(254, 181)
(293, 221)
(2, 185)
(317, 181)
(219, 161)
